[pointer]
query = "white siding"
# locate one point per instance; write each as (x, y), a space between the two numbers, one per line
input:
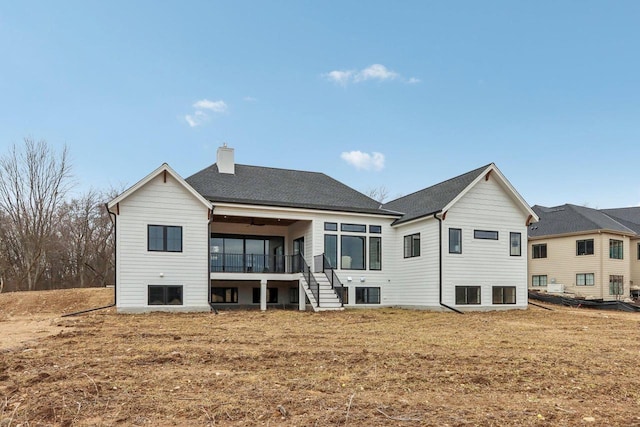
(416, 279)
(485, 263)
(161, 203)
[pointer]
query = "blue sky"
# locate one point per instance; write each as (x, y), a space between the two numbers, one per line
(424, 90)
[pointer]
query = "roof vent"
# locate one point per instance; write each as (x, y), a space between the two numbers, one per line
(225, 160)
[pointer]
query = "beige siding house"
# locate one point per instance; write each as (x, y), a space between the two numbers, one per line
(584, 252)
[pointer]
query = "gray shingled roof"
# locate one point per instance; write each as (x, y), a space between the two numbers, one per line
(629, 217)
(570, 218)
(281, 187)
(432, 199)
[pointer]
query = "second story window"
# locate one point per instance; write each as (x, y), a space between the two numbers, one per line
(164, 238)
(615, 249)
(412, 245)
(584, 247)
(539, 251)
(515, 240)
(455, 241)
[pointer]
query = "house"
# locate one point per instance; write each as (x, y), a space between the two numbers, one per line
(590, 253)
(237, 235)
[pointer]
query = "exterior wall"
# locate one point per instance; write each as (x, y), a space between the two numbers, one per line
(634, 262)
(416, 279)
(159, 203)
(485, 263)
(562, 264)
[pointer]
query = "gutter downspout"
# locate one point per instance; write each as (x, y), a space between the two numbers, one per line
(115, 252)
(435, 215)
(112, 216)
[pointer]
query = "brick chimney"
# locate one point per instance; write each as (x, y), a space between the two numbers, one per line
(225, 160)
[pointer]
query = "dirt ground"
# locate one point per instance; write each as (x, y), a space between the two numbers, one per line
(385, 367)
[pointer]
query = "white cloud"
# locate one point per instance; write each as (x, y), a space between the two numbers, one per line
(250, 99)
(365, 161)
(340, 77)
(215, 106)
(376, 72)
(197, 118)
(203, 108)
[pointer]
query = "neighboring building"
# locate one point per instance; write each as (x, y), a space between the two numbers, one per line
(587, 252)
(236, 235)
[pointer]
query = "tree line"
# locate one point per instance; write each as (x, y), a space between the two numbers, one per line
(48, 238)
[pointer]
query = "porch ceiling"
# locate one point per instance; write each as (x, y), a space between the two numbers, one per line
(257, 221)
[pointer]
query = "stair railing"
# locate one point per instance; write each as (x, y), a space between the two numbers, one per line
(313, 284)
(323, 265)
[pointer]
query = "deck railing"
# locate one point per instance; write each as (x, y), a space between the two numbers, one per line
(255, 263)
(313, 284)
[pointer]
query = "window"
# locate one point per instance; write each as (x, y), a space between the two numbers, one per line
(412, 245)
(539, 281)
(353, 228)
(331, 249)
(615, 250)
(376, 229)
(272, 295)
(164, 238)
(294, 295)
(585, 279)
(584, 247)
(504, 294)
(539, 251)
(331, 226)
(224, 295)
(516, 244)
(616, 285)
(164, 295)
(638, 251)
(485, 234)
(352, 252)
(455, 241)
(368, 295)
(375, 253)
(467, 295)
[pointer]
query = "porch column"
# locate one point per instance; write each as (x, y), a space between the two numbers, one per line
(302, 297)
(263, 294)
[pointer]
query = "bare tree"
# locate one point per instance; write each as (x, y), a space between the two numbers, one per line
(380, 193)
(84, 254)
(34, 181)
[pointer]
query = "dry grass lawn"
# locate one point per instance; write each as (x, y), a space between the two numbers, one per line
(358, 367)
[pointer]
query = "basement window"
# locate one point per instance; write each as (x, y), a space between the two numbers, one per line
(504, 294)
(369, 295)
(164, 295)
(467, 295)
(272, 295)
(224, 295)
